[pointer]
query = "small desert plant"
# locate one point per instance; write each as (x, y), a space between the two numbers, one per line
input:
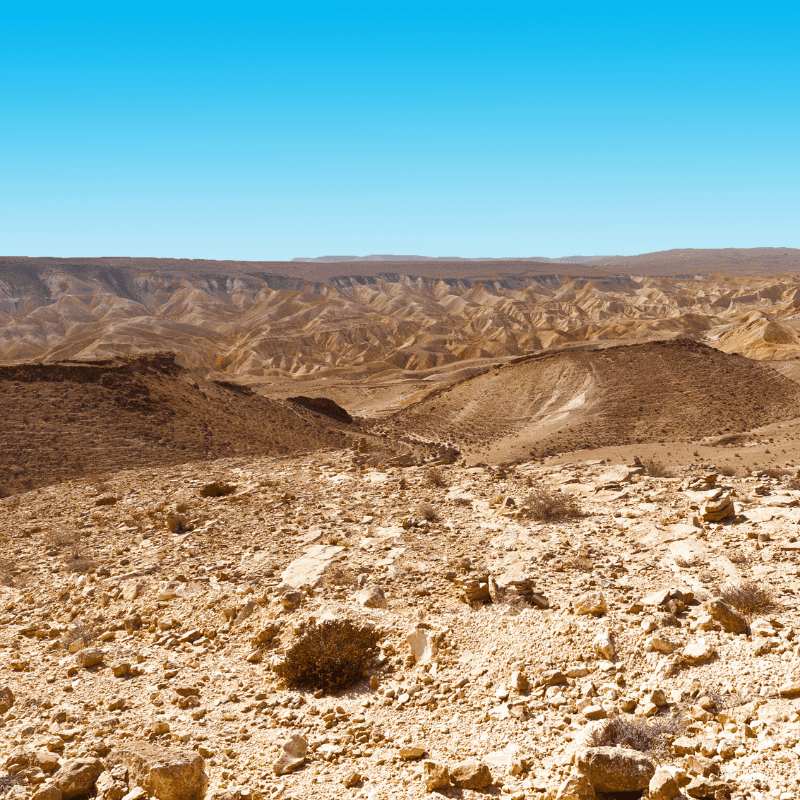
(435, 477)
(428, 512)
(78, 560)
(647, 736)
(747, 597)
(78, 631)
(655, 469)
(58, 539)
(727, 471)
(217, 489)
(337, 575)
(543, 504)
(330, 656)
(775, 472)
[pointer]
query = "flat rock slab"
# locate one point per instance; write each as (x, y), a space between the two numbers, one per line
(767, 513)
(309, 568)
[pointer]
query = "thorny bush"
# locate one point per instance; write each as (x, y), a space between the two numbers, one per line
(330, 656)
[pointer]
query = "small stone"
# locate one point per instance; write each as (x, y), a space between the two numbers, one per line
(434, 776)
(372, 596)
(615, 769)
(594, 712)
(352, 779)
(603, 645)
(77, 776)
(47, 793)
(410, 752)
(591, 603)
(90, 658)
(697, 651)
(471, 775)
(730, 620)
(293, 755)
(6, 699)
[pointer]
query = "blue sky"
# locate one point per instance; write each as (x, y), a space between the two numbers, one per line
(274, 130)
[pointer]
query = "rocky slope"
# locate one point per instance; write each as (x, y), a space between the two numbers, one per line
(596, 397)
(507, 641)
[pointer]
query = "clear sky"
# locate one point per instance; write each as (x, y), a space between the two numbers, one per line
(272, 130)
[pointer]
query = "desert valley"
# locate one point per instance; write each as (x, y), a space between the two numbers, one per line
(401, 527)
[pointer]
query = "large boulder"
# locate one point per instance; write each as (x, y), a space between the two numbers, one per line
(164, 773)
(77, 777)
(615, 769)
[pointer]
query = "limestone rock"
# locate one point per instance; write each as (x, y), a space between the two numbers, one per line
(293, 755)
(77, 777)
(697, 651)
(574, 787)
(591, 603)
(372, 596)
(719, 508)
(730, 620)
(165, 773)
(47, 793)
(6, 699)
(603, 645)
(423, 643)
(434, 776)
(663, 785)
(471, 775)
(410, 752)
(615, 769)
(90, 657)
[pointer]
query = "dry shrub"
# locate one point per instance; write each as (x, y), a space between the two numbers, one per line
(337, 575)
(216, 489)
(78, 631)
(57, 539)
(775, 472)
(79, 560)
(10, 574)
(544, 504)
(435, 477)
(428, 512)
(330, 656)
(106, 501)
(651, 736)
(728, 471)
(747, 597)
(655, 469)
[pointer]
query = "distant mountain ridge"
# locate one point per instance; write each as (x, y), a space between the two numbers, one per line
(395, 258)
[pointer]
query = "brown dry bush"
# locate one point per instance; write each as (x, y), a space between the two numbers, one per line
(428, 512)
(330, 656)
(775, 472)
(78, 631)
(747, 597)
(435, 477)
(543, 504)
(217, 489)
(655, 469)
(651, 736)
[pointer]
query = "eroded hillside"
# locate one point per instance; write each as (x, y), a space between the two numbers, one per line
(387, 321)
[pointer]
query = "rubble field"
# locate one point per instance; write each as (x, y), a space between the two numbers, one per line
(586, 630)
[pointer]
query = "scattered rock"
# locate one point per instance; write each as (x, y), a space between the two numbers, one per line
(293, 755)
(615, 769)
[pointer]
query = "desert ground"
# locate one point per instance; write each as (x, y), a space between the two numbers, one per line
(382, 529)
